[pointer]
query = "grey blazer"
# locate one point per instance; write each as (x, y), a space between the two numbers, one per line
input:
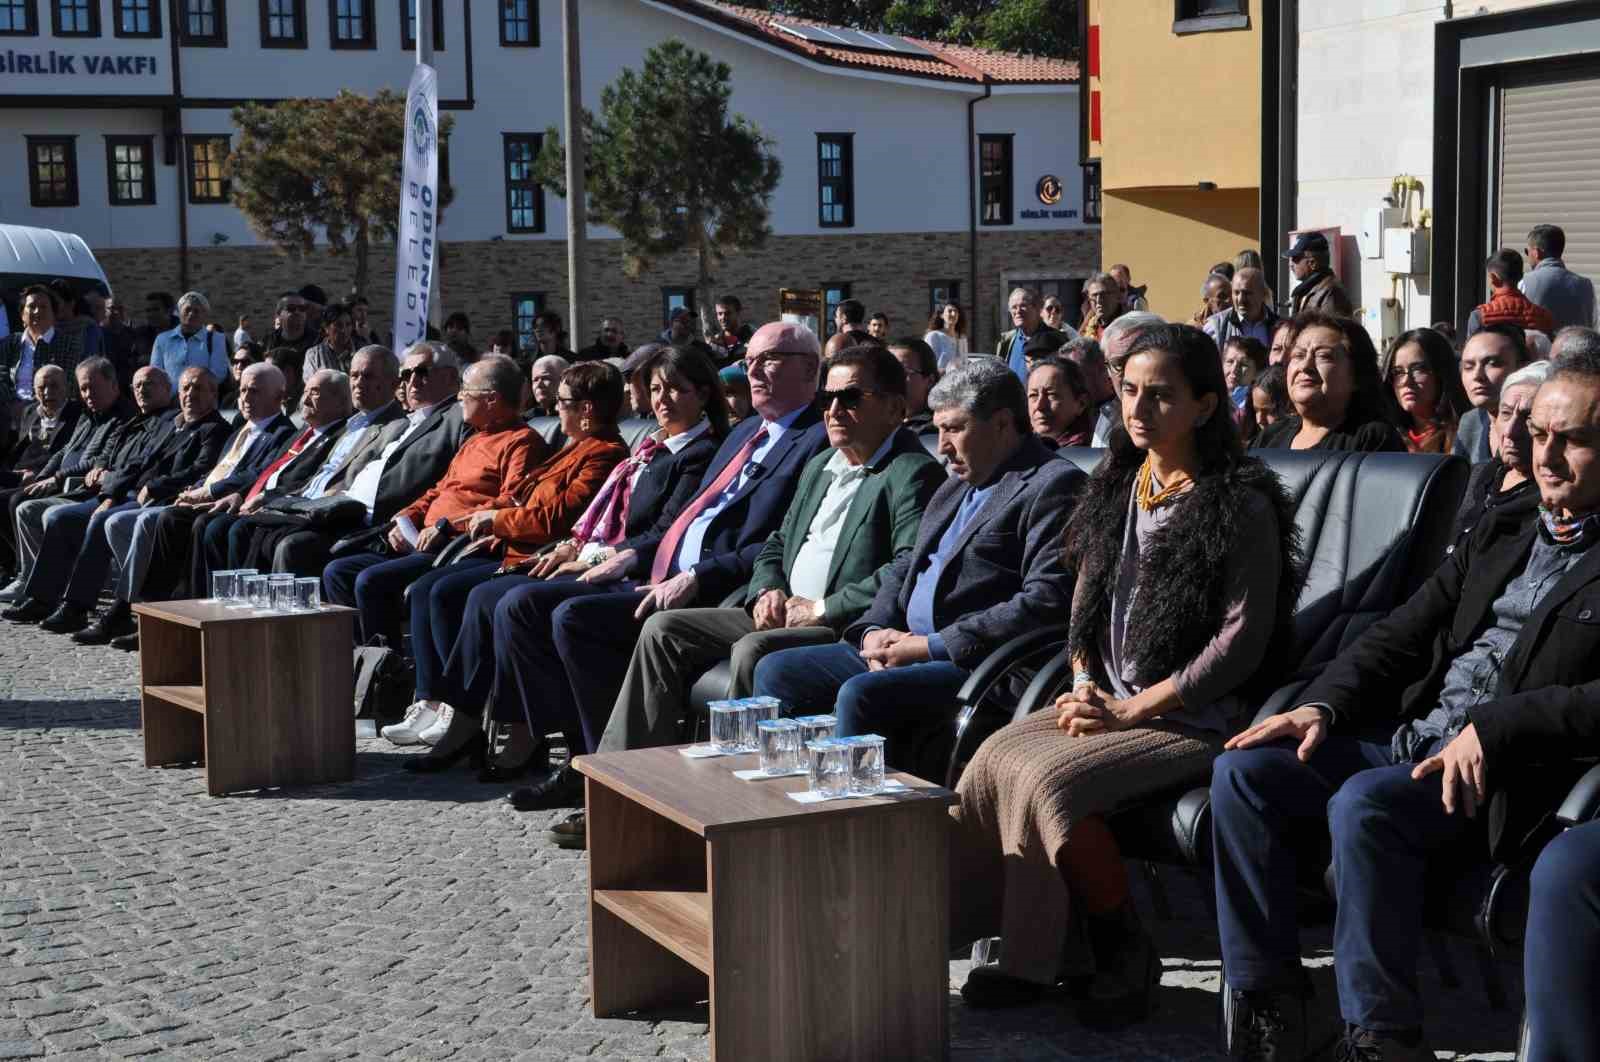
(1007, 576)
(418, 464)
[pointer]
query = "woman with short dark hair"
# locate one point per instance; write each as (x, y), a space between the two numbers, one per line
(1058, 403)
(1189, 567)
(1335, 388)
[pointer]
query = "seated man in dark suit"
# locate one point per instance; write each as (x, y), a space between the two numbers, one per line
(1473, 696)
(46, 425)
(857, 509)
(221, 538)
(987, 567)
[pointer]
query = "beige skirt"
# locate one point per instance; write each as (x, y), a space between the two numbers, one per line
(1020, 796)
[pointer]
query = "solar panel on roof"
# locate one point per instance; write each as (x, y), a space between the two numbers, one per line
(849, 38)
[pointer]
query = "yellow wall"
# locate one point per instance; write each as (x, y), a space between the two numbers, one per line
(1177, 110)
(1171, 238)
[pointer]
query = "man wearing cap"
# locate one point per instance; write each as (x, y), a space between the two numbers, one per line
(191, 343)
(1316, 288)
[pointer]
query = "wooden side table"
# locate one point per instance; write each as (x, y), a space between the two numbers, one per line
(815, 930)
(262, 699)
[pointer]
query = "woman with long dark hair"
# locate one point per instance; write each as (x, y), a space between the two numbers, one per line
(1423, 391)
(1335, 388)
(948, 334)
(1188, 566)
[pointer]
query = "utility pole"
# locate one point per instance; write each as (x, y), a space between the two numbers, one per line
(577, 200)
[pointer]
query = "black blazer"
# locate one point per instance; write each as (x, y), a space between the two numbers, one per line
(419, 463)
(90, 441)
(1546, 708)
(65, 350)
(141, 439)
(664, 488)
(735, 537)
(184, 458)
(300, 471)
(279, 433)
(1007, 576)
(31, 453)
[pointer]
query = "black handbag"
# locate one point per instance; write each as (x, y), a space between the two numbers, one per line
(333, 513)
(385, 681)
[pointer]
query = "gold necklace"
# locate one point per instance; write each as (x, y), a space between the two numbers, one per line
(1145, 493)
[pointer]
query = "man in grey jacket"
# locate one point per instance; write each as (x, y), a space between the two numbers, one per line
(986, 567)
(1568, 296)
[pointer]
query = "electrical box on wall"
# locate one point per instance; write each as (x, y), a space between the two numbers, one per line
(1382, 321)
(1373, 222)
(1405, 251)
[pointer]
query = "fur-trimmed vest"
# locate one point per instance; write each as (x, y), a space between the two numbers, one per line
(1181, 584)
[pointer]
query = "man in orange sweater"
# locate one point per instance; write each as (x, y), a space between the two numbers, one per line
(491, 464)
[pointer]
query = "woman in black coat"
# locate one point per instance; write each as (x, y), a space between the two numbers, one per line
(1334, 386)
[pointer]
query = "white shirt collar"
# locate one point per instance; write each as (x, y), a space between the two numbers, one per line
(416, 416)
(677, 442)
(839, 465)
(47, 337)
(261, 424)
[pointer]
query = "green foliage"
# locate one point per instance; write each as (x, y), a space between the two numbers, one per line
(306, 170)
(1043, 27)
(668, 167)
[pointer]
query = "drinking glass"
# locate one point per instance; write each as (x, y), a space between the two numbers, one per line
(749, 715)
(308, 594)
(769, 707)
(780, 745)
(222, 586)
(828, 768)
(256, 589)
(866, 764)
(240, 599)
(281, 589)
(727, 720)
(814, 727)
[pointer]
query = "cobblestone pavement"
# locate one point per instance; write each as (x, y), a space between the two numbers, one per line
(391, 917)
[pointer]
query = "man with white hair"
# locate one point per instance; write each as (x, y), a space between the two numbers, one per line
(545, 378)
(191, 343)
(1024, 305)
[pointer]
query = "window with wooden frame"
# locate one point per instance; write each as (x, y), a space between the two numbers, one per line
(1091, 192)
(136, 18)
(350, 24)
(408, 25)
(19, 18)
(130, 170)
(519, 23)
(525, 306)
(836, 207)
(53, 171)
(75, 18)
(283, 23)
(208, 181)
(833, 293)
(994, 179)
(673, 298)
(524, 195)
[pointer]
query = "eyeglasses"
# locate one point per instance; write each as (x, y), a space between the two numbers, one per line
(420, 372)
(479, 391)
(560, 401)
(243, 361)
(849, 398)
(1415, 373)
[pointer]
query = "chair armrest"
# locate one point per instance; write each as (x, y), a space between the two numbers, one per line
(1283, 698)
(1583, 800)
(1047, 685)
(734, 599)
(999, 663)
(980, 716)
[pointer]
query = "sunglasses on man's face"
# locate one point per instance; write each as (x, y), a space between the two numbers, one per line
(849, 398)
(420, 372)
(243, 361)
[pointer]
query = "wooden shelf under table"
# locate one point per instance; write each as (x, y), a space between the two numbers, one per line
(677, 919)
(190, 697)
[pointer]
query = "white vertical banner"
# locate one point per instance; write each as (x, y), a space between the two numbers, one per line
(416, 250)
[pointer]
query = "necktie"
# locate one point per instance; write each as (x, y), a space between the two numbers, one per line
(231, 458)
(674, 536)
(265, 479)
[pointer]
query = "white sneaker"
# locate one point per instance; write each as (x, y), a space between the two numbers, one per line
(432, 734)
(408, 731)
(12, 591)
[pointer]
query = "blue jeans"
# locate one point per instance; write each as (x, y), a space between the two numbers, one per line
(1384, 827)
(833, 679)
(1561, 952)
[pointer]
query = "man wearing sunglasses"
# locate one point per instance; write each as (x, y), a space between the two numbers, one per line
(292, 327)
(855, 511)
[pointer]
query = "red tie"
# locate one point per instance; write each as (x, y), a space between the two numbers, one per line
(284, 458)
(674, 536)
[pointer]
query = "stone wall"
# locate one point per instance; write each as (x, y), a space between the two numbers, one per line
(889, 273)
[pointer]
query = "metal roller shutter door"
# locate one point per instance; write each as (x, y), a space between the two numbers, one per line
(1550, 166)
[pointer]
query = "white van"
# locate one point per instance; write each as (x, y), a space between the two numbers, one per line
(38, 256)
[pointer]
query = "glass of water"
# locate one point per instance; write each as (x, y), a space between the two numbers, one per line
(239, 599)
(727, 724)
(780, 745)
(866, 764)
(282, 592)
(256, 592)
(222, 586)
(828, 768)
(750, 714)
(815, 727)
(307, 594)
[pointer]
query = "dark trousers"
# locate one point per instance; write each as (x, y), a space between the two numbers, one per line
(438, 603)
(9, 500)
(168, 575)
(1561, 952)
(74, 551)
(1384, 827)
(375, 584)
(208, 551)
(833, 680)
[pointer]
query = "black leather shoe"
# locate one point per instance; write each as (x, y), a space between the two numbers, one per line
(560, 789)
(66, 619)
(1127, 971)
(128, 642)
(27, 611)
(571, 832)
(114, 622)
(537, 763)
(987, 988)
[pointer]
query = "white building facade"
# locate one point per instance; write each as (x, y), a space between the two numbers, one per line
(115, 122)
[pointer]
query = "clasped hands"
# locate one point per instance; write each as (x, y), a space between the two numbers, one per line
(886, 648)
(775, 610)
(1087, 709)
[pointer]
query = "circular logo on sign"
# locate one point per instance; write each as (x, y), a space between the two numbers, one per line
(1049, 189)
(421, 131)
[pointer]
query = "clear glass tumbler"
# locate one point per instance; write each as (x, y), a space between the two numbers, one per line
(308, 594)
(727, 722)
(749, 715)
(281, 589)
(780, 745)
(815, 727)
(222, 586)
(767, 707)
(828, 768)
(257, 589)
(240, 599)
(866, 764)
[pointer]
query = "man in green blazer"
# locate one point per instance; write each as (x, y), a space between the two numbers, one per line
(856, 509)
